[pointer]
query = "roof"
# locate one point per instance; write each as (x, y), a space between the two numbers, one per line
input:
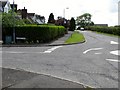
(4, 2)
(31, 14)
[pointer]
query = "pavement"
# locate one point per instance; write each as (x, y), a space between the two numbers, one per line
(13, 78)
(22, 79)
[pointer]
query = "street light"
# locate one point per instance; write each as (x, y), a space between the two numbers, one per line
(119, 13)
(13, 24)
(64, 11)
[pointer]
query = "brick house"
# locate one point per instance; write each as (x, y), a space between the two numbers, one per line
(32, 17)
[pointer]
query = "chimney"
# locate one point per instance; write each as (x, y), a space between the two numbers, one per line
(24, 13)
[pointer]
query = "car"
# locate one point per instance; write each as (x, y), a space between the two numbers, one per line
(82, 29)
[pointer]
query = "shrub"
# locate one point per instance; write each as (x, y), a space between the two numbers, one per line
(41, 33)
(109, 30)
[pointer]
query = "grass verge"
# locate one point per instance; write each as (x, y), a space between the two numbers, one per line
(76, 37)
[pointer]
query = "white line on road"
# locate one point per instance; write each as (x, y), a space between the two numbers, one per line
(113, 60)
(113, 42)
(117, 52)
(91, 50)
(17, 52)
(52, 49)
(98, 53)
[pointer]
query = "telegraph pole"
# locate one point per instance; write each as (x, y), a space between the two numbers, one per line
(13, 24)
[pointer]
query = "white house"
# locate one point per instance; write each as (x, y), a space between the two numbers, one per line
(5, 6)
(38, 19)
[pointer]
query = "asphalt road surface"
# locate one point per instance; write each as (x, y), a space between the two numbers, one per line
(93, 63)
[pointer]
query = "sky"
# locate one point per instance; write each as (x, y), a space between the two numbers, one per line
(102, 11)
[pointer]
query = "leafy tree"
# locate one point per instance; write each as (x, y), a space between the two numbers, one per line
(51, 18)
(27, 21)
(84, 20)
(9, 21)
(72, 24)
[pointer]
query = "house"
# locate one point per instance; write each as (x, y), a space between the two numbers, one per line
(15, 7)
(22, 13)
(34, 18)
(5, 6)
(30, 16)
(62, 21)
(38, 19)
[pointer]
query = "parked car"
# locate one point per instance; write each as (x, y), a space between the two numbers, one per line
(82, 29)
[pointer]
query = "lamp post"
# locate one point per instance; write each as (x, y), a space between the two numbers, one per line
(13, 24)
(119, 13)
(64, 11)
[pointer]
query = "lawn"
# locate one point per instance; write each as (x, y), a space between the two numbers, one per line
(76, 37)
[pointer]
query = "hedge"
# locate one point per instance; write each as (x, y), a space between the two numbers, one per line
(41, 33)
(103, 29)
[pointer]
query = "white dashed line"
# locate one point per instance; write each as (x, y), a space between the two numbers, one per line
(113, 42)
(91, 50)
(113, 60)
(98, 53)
(47, 51)
(52, 49)
(14, 52)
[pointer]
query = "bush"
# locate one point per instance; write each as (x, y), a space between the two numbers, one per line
(34, 33)
(109, 30)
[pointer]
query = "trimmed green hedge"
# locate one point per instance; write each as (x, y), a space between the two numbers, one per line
(34, 33)
(109, 30)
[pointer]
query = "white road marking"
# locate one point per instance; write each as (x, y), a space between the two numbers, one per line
(98, 53)
(52, 49)
(113, 60)
(113, 42)
(15, 52)
(117, 52)
(47, 51)
(91, 50)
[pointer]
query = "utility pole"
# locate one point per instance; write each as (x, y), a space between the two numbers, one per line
(13, 24)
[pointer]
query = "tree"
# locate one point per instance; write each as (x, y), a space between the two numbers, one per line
(7, 20)
(84, 20)
(51, 18)
(72, 24)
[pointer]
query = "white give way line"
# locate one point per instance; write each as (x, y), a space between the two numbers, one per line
(47, 51)
(52, 49)
(91, 50)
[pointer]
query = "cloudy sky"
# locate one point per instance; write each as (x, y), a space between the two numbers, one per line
(102, 11)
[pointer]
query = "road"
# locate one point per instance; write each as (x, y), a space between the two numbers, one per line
(93, 63)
